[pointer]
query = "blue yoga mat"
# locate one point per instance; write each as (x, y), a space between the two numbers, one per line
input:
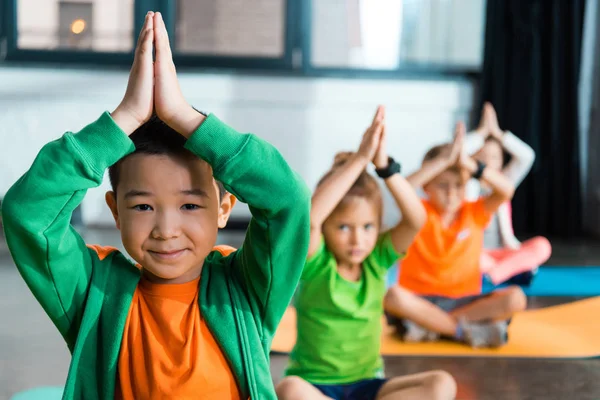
(561, 281)
(550, 281)
(40, 393)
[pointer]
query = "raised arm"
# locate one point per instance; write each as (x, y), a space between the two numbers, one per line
(502, 188)
(333, 188)
(522, 158)
(269, 263)
(475, 141)
(36, 212)
(50, 255)
(407, 200)
(432, 168)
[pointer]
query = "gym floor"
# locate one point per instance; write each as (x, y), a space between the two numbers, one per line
(32, 353)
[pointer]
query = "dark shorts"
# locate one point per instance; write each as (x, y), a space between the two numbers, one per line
(366, 389)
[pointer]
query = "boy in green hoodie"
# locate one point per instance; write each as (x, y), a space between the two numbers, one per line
(185, 320)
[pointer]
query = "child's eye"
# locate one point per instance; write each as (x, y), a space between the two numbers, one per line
(369, 226)
(142, 207)
(190, 207)
(343, 227)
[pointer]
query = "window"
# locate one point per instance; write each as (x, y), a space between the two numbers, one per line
(300, 37)
(387, 34)
(96, 25)
(75, 25)
(231, 27)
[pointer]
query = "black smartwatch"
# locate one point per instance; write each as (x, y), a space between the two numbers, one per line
(392, 168)
(479, 171)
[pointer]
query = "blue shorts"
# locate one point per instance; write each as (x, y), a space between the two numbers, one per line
(366, 389)
(449, 304)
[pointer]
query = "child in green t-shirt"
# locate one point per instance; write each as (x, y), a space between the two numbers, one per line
(340, 298)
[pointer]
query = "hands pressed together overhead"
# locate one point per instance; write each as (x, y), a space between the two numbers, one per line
(373, 145)
(488, 123)
(153, 86)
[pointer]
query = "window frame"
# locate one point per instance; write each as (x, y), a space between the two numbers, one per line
(296, 59)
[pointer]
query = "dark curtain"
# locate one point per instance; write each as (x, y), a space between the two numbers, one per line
(530, 75)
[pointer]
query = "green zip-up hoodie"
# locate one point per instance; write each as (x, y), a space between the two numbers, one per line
(242, 296)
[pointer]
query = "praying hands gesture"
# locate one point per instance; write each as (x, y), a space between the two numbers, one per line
(153, 85)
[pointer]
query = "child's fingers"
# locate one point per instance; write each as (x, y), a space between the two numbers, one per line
(377, 132)
(460, 130)
(144, 32)
(145, 47)
(379, 114)
(161, 39)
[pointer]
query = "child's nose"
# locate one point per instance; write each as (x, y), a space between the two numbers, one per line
(167, 226)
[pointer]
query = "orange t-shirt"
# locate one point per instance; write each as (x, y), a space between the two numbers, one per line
(444, 261)
(168, 350)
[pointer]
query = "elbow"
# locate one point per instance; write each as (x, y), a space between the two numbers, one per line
(9, 202)
(296, 194)
(529, 159)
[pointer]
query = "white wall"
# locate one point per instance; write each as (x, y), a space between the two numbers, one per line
(308, 119)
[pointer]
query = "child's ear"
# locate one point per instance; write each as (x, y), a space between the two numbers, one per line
(111, 201)
(227, 203)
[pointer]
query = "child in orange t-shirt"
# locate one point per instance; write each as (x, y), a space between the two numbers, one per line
(439, 291)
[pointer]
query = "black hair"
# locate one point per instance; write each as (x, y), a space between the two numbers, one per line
(154, 137)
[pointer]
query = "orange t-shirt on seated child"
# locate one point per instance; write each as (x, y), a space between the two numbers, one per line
(444, 261)
(168, 350)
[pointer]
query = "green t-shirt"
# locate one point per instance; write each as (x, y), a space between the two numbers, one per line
(339, 321)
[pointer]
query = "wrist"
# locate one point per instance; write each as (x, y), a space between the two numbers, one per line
(362, 159)
(478, 173)
(381, 163)
(187, 122)
(470, 165)
(390, 168)
(498, 134)
(125, 120)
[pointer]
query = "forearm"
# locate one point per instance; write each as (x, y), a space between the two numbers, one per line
(516, 147)
(427, 172)
(500, 185)
(50, 255)
(61, 173)
(331, 191)
(407, 200)
(522, 158)
(270, 261)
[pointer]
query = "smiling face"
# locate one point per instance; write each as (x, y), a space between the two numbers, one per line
(351, 230)
(168, 210)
